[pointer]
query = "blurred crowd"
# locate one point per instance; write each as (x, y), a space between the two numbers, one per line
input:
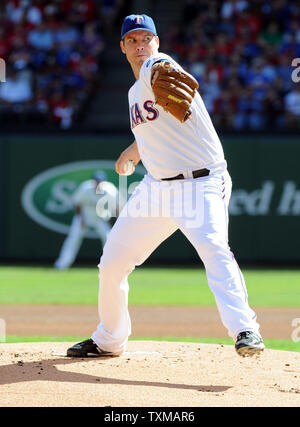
(53, 52)
(241, 53)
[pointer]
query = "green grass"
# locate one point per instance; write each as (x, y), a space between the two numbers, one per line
(148, 286)
(286, 345)
(273, 344)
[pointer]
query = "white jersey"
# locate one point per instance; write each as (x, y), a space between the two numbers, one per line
(166, 146)
(88, 200)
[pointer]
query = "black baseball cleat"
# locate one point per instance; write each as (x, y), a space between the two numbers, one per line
(249, 343)
(89, 349)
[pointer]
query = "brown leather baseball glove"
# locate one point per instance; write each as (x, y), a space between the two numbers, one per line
(173, 89)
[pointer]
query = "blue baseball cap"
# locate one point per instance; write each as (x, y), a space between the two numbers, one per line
(137, 22)
(99, 176)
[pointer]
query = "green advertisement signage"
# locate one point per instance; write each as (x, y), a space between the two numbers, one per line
(47, 197)
(39, 175)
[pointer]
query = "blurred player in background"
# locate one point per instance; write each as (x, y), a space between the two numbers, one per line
(89, 215)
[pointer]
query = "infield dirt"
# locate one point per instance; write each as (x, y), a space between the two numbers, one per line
(147, 321)
(161, 374)
(150, 373)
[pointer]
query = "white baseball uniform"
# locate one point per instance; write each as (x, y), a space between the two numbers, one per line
(93, 216)
(157, 208)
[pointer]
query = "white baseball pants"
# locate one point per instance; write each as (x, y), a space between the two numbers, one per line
(136, 234)
(73, 241)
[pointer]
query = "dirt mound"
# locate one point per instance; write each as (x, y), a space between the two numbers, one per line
(148, 374)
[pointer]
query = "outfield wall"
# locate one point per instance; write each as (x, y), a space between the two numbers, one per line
(40, 172)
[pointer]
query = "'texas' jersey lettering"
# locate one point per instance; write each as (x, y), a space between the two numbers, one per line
(140, 115)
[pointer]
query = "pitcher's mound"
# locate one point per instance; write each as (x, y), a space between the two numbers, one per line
(149, 374)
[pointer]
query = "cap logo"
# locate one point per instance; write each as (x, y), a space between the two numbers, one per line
(138, 19)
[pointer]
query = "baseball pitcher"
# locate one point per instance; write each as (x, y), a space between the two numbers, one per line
(187, 187)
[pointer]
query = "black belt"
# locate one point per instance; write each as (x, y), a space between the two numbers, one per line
(196, 174)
